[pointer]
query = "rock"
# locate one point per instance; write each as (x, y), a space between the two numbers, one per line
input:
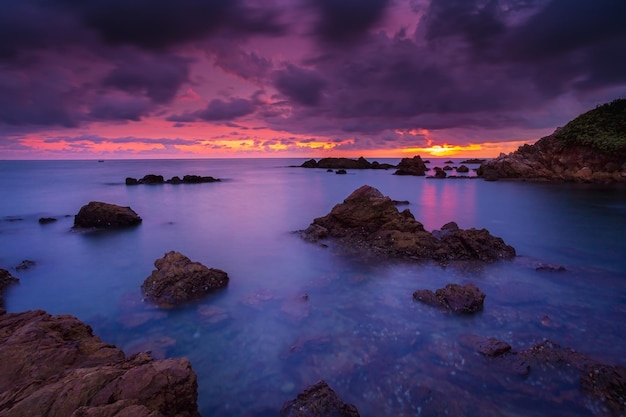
(449, 161)
(6, 279)
(439, 173)
(56, 367)
(590, 148)
(25, 264)
(47, 220)
(318, 400)
(411, 166)
(462, 169)
(152, 179)
(177, 280)
(456, 298)
(473, 161)
(197, 179)
(341, 172)
(489, 346)
(447, 168)
(369, 220)
(344, 163)
(105, 215)
(550, 268)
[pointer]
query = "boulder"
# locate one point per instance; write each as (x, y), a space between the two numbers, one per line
(177, 280)
(439, 173)
(318, 400)
(53, 366)
(368, 220)
(462, 169)
(105, 215)
(463, 299)
(411, 166)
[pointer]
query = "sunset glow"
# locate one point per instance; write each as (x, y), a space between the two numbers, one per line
(235, 79)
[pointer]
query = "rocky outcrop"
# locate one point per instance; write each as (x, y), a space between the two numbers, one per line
(550, 159)
(344, 163)
(6, 279)
(590, 148)
(104, 215)
(56, 367)
(177, 280)
(368, 220)
(152, 179)
(318, 400)
(411, 166)
(47, 220)
(462, 169)
(463, 299)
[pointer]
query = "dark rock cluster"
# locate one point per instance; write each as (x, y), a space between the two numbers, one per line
(177, 280)
(318, 400)
(465, 299)
(151, 179)
(104, 215)
(369, 220)
(412, 166)
(56, 367)
(344, 163)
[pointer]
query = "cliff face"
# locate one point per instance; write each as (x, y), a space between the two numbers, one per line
(590, 148)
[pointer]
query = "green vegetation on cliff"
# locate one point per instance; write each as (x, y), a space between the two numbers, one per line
(603, 128)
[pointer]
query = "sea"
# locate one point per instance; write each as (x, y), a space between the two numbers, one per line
(295, 313)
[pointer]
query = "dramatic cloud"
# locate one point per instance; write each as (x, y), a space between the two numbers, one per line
(355, 74)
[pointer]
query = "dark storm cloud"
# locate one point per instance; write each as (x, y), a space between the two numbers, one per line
(300, 85)
(158, 24)
(218, 110)
(157, 77)
(347, 20)
(95, 139)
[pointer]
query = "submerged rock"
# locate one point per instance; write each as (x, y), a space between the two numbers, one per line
(47, 220)
(6, 279)
(369, 220)
(105, 215)
(53, 366)
(464, 299)
(318, 400)
(177, 280)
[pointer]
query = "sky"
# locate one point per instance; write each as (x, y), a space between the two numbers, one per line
(107, 79)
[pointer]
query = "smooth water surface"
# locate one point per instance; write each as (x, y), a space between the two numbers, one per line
(295, 312)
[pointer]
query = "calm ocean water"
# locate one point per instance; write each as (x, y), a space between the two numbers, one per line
(259, 342)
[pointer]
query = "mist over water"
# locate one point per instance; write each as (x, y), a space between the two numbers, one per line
(294, 312)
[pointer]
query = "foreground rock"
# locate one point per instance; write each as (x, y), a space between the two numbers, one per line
(411, 166)
(463, 299)
(344, 163)
(105, 215)
(56, 367)
(605, 383)
(590, 148)
(177, 280)
(318, 400)
(368, 220)
(152, 179)
(6, 279)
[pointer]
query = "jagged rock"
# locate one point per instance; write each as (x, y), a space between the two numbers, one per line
(56, 367)
(369, 220)
(456, 298)
(318, 400)
(105, 215)
(590, 148)
(177, 280)
(411, 166)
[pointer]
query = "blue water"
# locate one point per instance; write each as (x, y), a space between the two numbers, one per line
(261, 341)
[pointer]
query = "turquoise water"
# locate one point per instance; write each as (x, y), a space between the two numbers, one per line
(294, 312)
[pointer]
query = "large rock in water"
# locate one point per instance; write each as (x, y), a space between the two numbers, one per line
(105, 215)
(177, 280)
(411, 166)
(369, 220)
(344, 163)
(56, 367)
(590, 148)
(318, 400)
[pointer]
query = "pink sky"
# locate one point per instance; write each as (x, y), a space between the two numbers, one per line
(300, 78)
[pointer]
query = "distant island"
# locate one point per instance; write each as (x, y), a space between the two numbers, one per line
(590, 148)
